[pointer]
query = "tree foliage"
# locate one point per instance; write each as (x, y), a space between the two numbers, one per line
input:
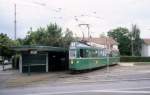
(67, 38)
(137, 41)
(51, 35)
(122, 36)
(5, 44)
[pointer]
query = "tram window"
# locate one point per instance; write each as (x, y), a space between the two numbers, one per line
(115, 53)
(83, 53)
(100, 53)
(94, 53)
(104, 52)
(72, 53)
(111, 54)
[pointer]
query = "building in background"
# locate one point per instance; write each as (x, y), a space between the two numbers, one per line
(145, 52)
(104, 42)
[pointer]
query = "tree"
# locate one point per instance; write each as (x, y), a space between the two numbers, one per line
(136, 41)
(68, 38)
(54, 34)
(5, 44)
(121, 35)
(35, 37)
(51, 35)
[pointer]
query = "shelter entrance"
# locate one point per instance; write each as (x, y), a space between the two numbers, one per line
(58, 60)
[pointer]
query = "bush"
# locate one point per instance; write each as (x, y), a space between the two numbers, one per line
(134, 59)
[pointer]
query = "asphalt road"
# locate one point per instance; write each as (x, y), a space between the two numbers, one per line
(127, 81)
(140, 87)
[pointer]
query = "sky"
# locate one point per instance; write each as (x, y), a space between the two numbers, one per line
(101, 15)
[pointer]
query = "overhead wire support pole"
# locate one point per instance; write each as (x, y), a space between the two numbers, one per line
(132, 47)
(15, 26)
(15, 16)
(107, 54)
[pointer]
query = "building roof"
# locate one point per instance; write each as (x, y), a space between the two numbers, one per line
(102, 40)
(147, 41)
(38, 48)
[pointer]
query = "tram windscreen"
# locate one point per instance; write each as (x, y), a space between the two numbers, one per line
(81, 53)
(72, 53)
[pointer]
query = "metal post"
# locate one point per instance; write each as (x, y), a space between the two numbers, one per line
(20, 64)
(107, 56)
(15, 22)
(88, 32)
(107, 63)
(1, 56)
(132, 46)
(47, 62)
(3, 65)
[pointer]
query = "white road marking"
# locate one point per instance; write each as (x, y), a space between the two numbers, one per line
(126, 64)
(98, 91)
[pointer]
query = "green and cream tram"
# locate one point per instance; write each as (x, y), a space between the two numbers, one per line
(83, 56)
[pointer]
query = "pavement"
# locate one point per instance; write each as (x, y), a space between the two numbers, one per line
(119, 80)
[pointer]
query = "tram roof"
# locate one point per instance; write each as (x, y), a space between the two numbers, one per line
(75, 45)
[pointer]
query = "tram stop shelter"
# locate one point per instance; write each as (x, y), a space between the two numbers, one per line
(42, 58)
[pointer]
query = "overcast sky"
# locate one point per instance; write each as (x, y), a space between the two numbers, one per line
(101, 15)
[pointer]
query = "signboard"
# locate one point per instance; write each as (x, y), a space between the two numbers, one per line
(33, 52)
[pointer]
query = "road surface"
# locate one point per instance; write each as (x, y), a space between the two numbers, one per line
(139, 87)
(120, 81)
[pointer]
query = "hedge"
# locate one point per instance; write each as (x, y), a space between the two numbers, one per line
(134, 59)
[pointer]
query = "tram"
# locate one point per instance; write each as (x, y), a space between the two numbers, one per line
(84, 56)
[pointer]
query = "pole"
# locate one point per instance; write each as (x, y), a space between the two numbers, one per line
(3, 65)
(29, 69)
(88, 32)
(15, 22)
(132, 45)
(107, 56)
(2, 59)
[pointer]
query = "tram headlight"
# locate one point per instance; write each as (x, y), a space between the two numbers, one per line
(71, 61)
(96, 61)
